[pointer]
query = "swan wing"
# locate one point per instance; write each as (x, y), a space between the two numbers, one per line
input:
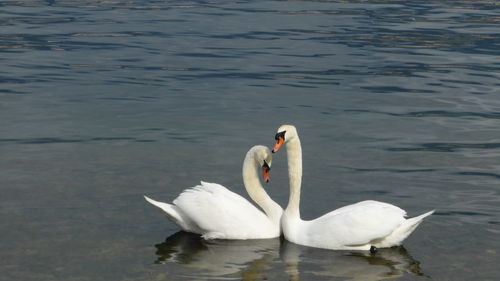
(357, 224)
(223, 214)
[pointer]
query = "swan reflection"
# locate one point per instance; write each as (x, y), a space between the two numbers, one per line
(229, 258)
(348, 265)
(278, 259)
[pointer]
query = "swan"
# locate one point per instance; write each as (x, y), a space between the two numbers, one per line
(213, 211)
(366, 225)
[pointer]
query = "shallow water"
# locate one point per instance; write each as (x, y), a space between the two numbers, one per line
(104, 101)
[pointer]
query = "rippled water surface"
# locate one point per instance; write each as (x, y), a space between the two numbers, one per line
(104, 101)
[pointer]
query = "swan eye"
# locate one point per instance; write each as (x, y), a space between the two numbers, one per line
(266, 166)
(280, 139)
(280, 135)
(265, 171)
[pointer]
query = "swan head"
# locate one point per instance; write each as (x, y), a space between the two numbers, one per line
(264, 158)
(284, 134)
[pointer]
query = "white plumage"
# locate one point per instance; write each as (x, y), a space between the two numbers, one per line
(354, 227)
(215, 212)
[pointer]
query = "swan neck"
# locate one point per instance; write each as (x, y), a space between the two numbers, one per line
(256, 191)
(294, 158)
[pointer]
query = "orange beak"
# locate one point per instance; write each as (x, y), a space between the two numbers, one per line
(265, 172)
(279, 141)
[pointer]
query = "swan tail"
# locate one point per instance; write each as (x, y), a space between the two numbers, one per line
(173, 213)
(412, 223)
(403, 231)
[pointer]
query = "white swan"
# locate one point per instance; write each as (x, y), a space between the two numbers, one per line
(362, 226)
(213, 211)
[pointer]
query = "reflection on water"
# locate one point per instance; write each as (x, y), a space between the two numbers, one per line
(218, 258)
(253, 258)
(348, 265)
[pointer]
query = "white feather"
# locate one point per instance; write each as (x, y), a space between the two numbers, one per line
(354, 227)
(215, 212)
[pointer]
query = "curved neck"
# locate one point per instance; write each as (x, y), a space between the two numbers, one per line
(256, 191)
(294, 158)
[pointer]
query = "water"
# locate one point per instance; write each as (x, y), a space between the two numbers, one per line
(104, 101)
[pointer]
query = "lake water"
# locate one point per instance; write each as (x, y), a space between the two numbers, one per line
(104, 101)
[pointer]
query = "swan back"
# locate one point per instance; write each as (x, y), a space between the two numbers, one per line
(222, 214)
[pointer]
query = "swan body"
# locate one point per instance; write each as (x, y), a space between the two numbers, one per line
(215, 212)
(359, 226)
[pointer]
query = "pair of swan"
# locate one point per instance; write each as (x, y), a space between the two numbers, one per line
(216, 213)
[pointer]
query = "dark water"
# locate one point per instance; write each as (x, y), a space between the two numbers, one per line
(104, 101)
